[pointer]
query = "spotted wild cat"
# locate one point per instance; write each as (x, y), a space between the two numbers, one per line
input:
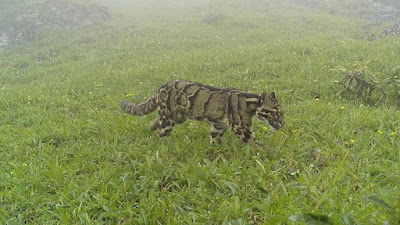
(177, 101)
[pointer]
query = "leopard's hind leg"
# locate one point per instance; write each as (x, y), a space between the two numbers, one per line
(155, 124)
(166, 123)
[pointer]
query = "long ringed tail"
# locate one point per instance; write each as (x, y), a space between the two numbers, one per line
(139, 109)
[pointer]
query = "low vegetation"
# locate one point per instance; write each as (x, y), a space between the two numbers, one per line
(70, 156)
(359, 84)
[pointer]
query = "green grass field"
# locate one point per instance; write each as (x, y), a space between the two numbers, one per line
(68, 155)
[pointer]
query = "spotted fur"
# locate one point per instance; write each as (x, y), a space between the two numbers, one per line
(177, 101)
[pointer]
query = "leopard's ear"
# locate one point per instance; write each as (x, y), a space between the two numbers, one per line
(263, 97)
(272, 95)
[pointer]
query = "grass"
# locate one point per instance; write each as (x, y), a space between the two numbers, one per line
(70, 156)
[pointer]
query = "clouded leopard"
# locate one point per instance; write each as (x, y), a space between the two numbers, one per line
(177, 101)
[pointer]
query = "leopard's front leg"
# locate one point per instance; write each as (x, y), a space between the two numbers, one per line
(245, 134)
(217, 131)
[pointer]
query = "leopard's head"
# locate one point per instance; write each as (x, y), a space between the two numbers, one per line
(270, 111)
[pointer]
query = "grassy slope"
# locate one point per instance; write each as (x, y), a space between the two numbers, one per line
(69, 155)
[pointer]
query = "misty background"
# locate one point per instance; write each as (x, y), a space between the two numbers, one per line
(21, 21)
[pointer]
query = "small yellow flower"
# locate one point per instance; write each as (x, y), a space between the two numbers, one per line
(380, 132)
(393, 133)
(352, 141)
(317, 99)
(99, 85)
(11, 172)
(265, 128)
(129, 95)
(342, 107)
(24, 164)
